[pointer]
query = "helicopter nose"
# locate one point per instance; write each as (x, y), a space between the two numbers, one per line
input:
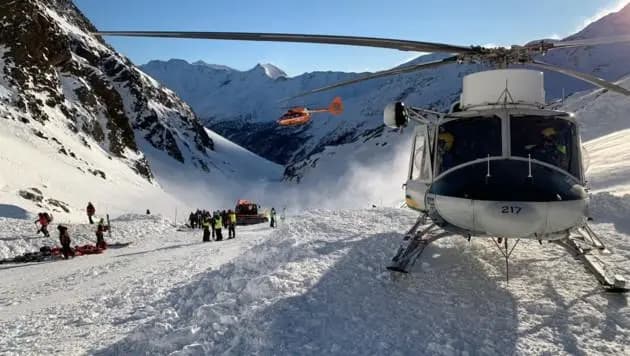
(512, 219)
(510, 203)
(509, 180)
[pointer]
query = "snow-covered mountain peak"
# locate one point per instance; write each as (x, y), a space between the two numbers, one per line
(616, 23)
(270, 70)
(212, 66)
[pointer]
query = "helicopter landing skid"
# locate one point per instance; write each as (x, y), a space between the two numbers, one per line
(413, 245)
(610, 281)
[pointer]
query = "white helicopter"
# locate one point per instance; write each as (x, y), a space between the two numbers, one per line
(498, 165)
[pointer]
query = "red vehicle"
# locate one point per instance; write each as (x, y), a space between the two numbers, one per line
(247, 213)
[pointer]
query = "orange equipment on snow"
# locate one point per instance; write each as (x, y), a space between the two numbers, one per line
(247, 213)
(301, 115)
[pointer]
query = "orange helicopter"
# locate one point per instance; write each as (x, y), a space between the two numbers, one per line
(300, 115)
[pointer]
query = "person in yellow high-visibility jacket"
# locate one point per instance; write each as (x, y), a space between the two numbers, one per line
(218, 225)
(231, 224)
(205, 223)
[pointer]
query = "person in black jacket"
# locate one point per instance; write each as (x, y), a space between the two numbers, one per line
(90, 210)
(64, 239)
(100, 234)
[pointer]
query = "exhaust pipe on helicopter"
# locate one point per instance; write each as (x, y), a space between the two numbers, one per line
(395, 115)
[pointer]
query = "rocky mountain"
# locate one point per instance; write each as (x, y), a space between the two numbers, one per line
(79, 121)
(55, 69)
(244, 105)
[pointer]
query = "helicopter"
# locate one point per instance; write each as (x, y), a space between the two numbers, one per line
(499, 164)
(297, 116)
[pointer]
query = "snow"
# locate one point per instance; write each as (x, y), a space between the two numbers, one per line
(77, 306)
(235, 173)
(243, 160)
(30, 162)
(272, 71)
(316, 285)
(5, 93)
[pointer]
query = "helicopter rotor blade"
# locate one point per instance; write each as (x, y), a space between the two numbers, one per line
(582, 76)
(590, 42)
(375, 75)
(402, 45)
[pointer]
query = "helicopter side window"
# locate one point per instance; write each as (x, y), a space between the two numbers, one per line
(422, 157)
(467, 139)
(547, 139)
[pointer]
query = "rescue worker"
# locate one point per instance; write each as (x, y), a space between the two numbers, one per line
(199, 218)
(43, 219)
(90, 212)
(224, 218)
(218, 225)
(64, 239)
(272, 218)
(192, 220)
(551, 150)
(446, 140)
(231, 224)
(212, 218)
(100, 234)
(206, 228)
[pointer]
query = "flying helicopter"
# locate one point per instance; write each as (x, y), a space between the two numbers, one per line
(500, 164)
(300, 115)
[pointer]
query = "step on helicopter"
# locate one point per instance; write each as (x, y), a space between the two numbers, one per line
(299, 115)
(500, 164)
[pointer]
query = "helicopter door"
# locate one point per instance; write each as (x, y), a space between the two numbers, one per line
(421, 156)
(420, 172)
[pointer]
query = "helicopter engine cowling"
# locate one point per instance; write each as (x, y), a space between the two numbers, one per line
(395, 115)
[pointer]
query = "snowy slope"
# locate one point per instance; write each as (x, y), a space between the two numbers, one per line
(80, 122)
(35, 176)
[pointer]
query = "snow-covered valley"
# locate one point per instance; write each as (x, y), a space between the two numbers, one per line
(318, 283)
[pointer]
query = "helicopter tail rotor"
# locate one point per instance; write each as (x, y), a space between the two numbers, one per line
(336, 106)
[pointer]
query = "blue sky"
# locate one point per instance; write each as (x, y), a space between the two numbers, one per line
(461, 22)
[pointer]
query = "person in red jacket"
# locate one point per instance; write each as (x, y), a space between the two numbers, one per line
(43, 219)
(90, 212)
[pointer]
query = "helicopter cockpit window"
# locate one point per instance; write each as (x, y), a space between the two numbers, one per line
(464, 140)
(548, 139)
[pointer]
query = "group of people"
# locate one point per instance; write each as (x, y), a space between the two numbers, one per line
(44, 219)
(213, 223)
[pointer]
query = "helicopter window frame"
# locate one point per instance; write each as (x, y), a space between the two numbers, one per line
(498, 153)
(421, 161)
(569, 140)
(426, 168)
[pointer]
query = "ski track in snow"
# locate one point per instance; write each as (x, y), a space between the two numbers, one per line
(72, 307)
(317, 285)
